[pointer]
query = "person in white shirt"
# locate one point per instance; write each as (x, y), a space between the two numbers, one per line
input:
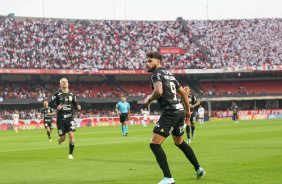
(201, 112)
(145, 117)
(16, 120)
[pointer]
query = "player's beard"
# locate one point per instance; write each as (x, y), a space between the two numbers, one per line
(152, 69)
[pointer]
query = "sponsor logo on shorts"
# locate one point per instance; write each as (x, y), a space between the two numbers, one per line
(171, 129)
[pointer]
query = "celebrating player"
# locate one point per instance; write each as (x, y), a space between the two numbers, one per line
(165, 87)
(234, 108)
(62, 100)
(123, 109)
(47, 113)
(190, 122)
(16, 118)
(201, 112)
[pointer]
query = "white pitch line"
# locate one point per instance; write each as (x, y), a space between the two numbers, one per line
(67, 146)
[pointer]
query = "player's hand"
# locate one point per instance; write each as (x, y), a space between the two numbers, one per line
(187, 114)
(59, 107)
(146, 101)
(119, 112)
(78, 107)
(191, 106)
(49, 113)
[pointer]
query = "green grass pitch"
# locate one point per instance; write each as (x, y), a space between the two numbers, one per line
(247, 152)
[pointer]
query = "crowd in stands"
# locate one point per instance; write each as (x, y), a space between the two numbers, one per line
(246, 42)
(84, 44)
(106, 44)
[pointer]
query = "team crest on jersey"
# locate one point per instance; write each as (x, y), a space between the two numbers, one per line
(48, 110)
(70, 98)
(66, 99)
(125, 106)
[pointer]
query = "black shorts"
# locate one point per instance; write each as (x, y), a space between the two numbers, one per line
(192, 119)
(170, 122)
(235, 116)
(123, 117)
(66, 125)
(48, 123)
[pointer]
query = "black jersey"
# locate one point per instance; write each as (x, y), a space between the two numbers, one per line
(234, 108)
(66, 99)
(45, 112)
(168, 100)
(192, 101)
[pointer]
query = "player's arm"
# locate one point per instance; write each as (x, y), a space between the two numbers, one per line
(117, 108)
(157, 93)
(53, 102)
(128, 108)
(184, 96)
(196, 104)
(128, 112)
(75, 104)
(52, 113)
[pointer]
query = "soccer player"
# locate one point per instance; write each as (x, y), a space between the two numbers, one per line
(47, 113)
(145, 117)
(63, 100)
(16, 118)
(165, 88)
(123, 109)
(190, 122)
(201, 112)
(234, 108)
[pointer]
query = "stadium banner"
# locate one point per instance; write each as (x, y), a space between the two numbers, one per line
(220, 119)
(253, 116)
(274, 116)
(171, 50)
(248, 112)
(79, 122)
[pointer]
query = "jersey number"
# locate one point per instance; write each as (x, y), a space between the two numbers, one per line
(173, 90)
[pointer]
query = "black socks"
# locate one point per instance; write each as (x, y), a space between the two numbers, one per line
(192, 129)
(188, 131)
(187, 150)
(71, 146)
(48, 133)
(161, 159)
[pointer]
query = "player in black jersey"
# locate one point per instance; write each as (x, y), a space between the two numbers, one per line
(47, 113)
(165, 88)
(63, 100)
(190, 123)
(235, 108)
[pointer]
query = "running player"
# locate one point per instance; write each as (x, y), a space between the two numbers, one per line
(234, 108)
(16, 118)
(201, 112)
(47, 113)
(165, 88)
(123, 109)
(193, 103)
(63, 100)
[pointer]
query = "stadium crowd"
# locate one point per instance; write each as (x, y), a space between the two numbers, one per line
(246, 42)
(81, 44)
